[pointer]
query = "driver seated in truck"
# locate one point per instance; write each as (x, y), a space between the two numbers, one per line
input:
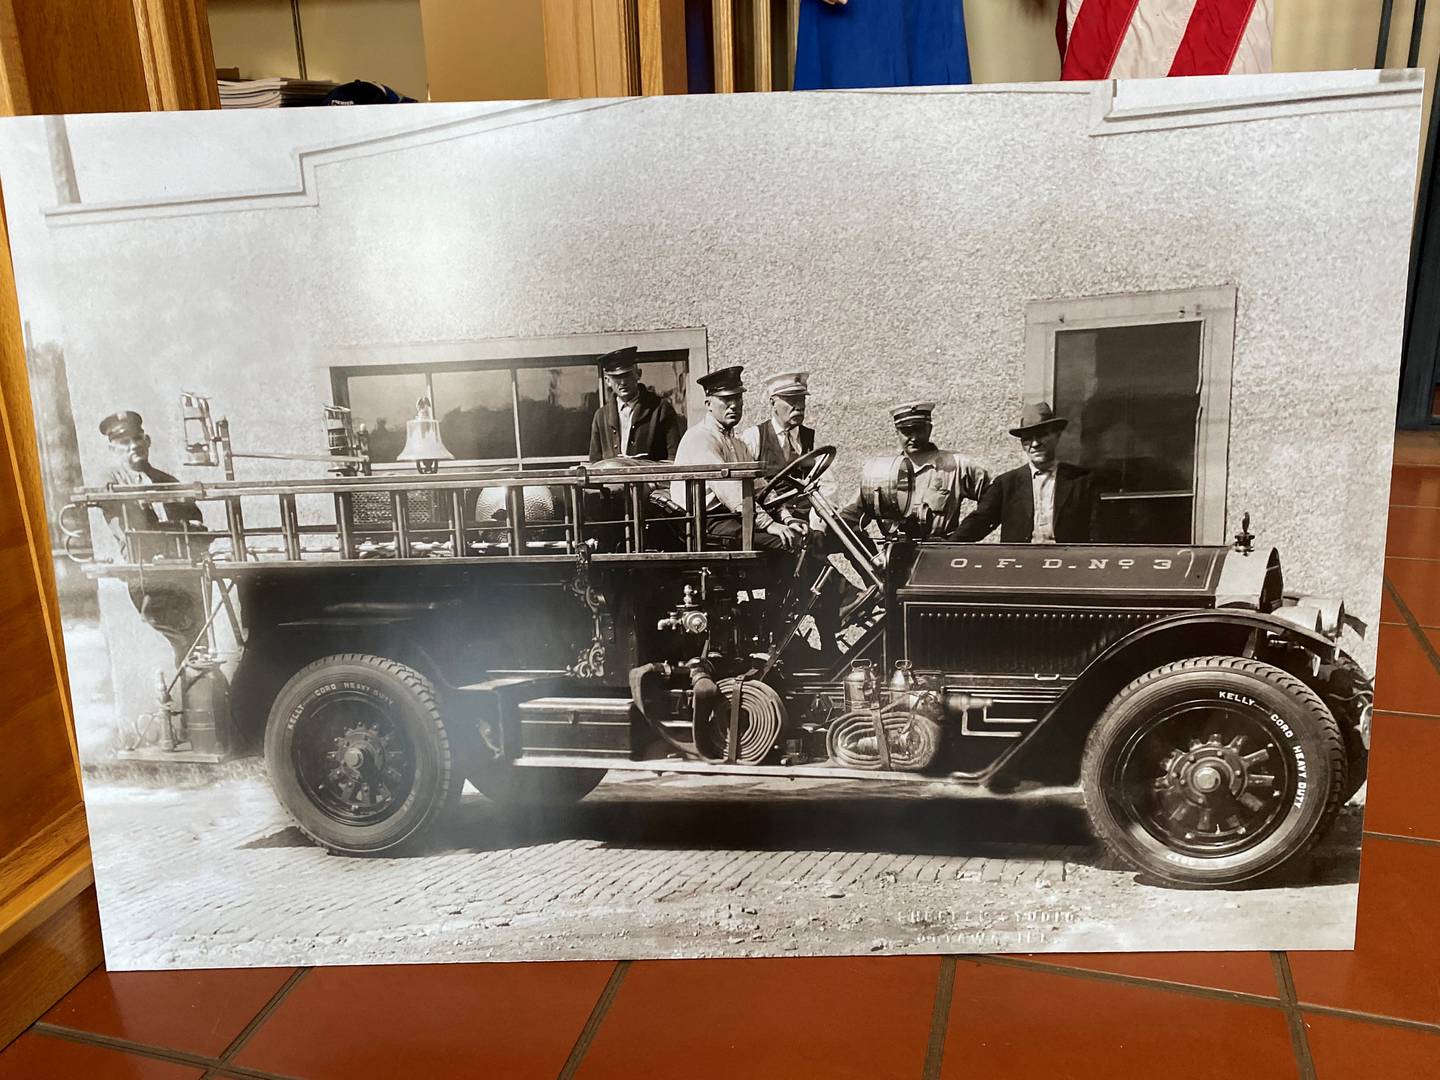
(776, 442)
(783, 437)
(713, 442)
(140, 527)
(1045, 500)
(944, 479)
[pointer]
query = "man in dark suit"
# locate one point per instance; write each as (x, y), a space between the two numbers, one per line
(1044, 501)
(634, 421)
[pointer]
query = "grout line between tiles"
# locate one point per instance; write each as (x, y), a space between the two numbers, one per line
(158, 1053)
(259, 1018)
(1409, 616)
(1189, 989)
(1299, 1041)
(1398, 838)
(1371, 1018)
(592, 1024)
(1423, 626)
(939, 1019)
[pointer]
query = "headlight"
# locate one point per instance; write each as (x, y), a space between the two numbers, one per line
(1331, 611)
(1301, 615)
(887, 487)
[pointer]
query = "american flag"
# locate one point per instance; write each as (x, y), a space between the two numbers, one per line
(1118, 39)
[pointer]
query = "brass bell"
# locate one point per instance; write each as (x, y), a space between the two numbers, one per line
(423, 444)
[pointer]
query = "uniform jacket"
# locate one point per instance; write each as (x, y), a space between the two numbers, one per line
(654, 434)
(150, 517)
(1010, 504)
(944, 479)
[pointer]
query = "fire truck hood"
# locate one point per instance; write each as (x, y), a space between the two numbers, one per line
(1115, 573)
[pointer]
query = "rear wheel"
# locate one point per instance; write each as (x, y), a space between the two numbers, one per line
(358, 753)
(1213, 771)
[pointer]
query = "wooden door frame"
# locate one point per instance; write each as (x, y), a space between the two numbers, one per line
(59, 56)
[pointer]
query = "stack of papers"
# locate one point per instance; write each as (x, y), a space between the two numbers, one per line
(272, 93)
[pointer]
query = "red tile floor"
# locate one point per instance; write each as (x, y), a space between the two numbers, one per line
(1374, 1012)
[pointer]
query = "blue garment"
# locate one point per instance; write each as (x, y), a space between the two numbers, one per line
(880, 43)
(699, 46)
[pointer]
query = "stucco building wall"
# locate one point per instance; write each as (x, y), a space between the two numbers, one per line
(887, 242)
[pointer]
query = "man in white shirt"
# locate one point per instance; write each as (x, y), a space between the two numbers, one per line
(783, 437)
(713, 442)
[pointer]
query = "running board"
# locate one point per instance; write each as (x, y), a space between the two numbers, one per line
(812, 772)
(669, 765)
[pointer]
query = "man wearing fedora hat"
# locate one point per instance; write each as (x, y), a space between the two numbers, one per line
(173, 610)
(1045, 500)
(634, 421)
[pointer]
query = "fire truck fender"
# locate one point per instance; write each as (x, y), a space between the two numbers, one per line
(1173, 627)
(1221, 631)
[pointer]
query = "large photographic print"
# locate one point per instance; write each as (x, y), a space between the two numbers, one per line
(933, 521)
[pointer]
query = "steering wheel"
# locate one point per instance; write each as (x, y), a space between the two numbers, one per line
(796, 480)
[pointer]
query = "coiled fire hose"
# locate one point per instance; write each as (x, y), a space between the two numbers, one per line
(913, 739)
(761, 713)
(761, 717)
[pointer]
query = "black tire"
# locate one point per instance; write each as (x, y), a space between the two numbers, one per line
(358, 754)
(534, 788)
(1213, 771)
(1350, 695)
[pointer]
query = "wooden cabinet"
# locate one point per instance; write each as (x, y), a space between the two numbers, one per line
(58, 56)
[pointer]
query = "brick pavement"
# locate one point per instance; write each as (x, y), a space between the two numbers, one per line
(678, 866)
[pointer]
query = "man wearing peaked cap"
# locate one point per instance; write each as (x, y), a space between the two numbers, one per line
(122, 424)
(776, 442)
(783, 437)
(726, 382)
(1045, 500)
(175, 611)
(713, 442)
(634, 421)
(130, 447)
(944, 479)
(917, 411)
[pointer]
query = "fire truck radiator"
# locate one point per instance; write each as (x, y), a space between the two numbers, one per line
(1013, 641)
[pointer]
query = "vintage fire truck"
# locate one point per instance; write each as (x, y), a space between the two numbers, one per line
(530, 631)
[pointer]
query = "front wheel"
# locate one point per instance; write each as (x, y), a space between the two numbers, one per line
(1213, 771)
(358, 753)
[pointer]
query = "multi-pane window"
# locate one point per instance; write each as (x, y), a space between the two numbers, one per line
(533, 412)
(1132, 394)
(1145, 382)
